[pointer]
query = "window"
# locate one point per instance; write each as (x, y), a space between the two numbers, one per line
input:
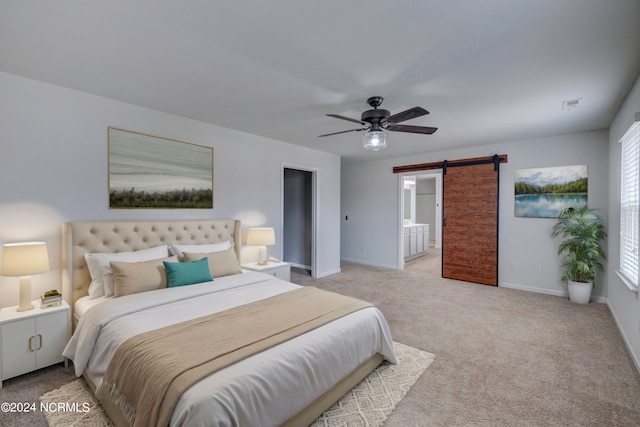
(630, 205)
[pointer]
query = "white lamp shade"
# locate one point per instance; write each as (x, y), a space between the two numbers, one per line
(261, 236)
(24, 259)
(375, 140)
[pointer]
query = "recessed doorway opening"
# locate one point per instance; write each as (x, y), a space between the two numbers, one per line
(421, 225)
(299, 218)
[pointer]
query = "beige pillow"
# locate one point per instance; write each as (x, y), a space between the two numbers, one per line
(134, 277)
(179, 250)
(98, 264)
(221, 263)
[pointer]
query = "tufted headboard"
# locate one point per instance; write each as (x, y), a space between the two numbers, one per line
(79, 238)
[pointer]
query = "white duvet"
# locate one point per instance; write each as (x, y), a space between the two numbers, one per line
(263, 390)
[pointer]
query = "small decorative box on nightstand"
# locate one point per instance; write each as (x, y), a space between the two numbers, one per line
(32, 339)
(282, 270)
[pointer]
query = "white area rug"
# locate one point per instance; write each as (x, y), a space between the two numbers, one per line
(368, 404)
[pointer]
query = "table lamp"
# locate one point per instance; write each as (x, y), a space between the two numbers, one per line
(263, 237)
(24, 260)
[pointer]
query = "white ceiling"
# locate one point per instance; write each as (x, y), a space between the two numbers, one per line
(488, 70)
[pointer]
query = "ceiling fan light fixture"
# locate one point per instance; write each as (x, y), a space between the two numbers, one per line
(375, 140)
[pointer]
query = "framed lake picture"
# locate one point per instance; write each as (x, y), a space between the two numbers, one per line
(147, 171)
(544, 192)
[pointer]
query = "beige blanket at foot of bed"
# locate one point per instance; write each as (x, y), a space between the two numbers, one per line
(150, 371)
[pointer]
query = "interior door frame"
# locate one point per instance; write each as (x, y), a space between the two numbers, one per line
(438, 225)
(413, 169)
(314, 212)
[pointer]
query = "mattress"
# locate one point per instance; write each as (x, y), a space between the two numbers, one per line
(264, 389)
(85, 303)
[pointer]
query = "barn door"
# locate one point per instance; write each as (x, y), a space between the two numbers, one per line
(470, 222)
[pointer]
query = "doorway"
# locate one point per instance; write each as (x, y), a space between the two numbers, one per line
(298, 218)
(469, 210)
(421, 201)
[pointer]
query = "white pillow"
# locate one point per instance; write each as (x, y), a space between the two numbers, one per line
(199, 249)
(98, 264)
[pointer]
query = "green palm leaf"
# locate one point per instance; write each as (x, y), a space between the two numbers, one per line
(581, 230)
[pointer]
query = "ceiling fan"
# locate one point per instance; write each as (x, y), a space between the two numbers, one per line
(377, 121)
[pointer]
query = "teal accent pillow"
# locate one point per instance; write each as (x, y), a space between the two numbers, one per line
(187, 273)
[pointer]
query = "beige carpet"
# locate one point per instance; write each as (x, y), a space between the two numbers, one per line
(504, 357)
(368, 404)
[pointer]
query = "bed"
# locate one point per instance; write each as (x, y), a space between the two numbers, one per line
(290, 383)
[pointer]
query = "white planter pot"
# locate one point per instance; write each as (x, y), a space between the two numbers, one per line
(580, 292)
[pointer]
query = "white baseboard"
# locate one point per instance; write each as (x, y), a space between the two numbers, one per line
(537, 290)
(634, 357)
(533, 289)
(357, 261)
(328, 273)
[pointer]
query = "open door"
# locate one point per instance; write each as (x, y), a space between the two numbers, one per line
(470, 190)
(470, 223)
(298, 218)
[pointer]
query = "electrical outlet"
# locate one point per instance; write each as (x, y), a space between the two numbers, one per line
(514, 265)
(362, 248)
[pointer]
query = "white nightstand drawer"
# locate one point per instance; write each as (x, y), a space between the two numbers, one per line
(281, 270)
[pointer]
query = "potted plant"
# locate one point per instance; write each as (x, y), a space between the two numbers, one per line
(582, 230)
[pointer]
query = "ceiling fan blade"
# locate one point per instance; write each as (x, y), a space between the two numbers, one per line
(412, 129)
(409, 114)
(338, 116)
(344, 131)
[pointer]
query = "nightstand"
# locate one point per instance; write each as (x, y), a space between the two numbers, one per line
(32, 339)
(282, 270)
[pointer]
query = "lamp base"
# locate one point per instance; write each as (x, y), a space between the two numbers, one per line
(25, 294)
(27, 308)
(262, 255)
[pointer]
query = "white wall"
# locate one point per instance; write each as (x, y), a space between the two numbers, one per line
(370, 194)
(624, 304)
(53, 167)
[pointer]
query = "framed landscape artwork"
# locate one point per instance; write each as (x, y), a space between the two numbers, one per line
(147, 171)
(544, 192)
